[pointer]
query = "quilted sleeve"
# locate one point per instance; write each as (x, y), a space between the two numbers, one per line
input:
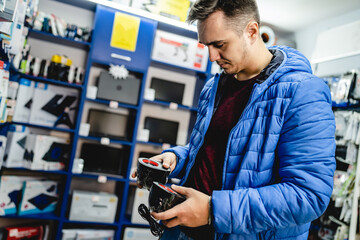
(306, 150)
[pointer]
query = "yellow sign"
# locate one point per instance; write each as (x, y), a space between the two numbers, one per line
(125, 32)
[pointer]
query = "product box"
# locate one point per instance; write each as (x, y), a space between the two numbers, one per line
(141, 197)
(24, 101)
(15, 147)
(87, 234)
(54, 106)
(10, 193)
(39, 197)
(44, 152)
(33, 232)
(138, 234)
(93, 207)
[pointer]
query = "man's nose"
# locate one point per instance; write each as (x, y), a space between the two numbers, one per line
(213, 54)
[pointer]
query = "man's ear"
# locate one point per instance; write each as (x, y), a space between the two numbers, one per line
(252, 31)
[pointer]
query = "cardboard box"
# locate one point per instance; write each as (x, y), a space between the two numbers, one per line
(24, 101)
(10, 193)
(44, 152)
(138, 234)
(15, 147)
(141, 197)
(39, 197)
(93, 207)
(54, 106)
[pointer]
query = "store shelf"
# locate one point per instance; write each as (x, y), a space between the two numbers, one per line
(58, 40)
(44, 127)
(107, 102)
(115, 224)
(59, 172)
(179, 67)
(345, 105)
(49, 81)
(107, 64)
(44, 216)
(98, 139)
(97, 175)
(167, 104)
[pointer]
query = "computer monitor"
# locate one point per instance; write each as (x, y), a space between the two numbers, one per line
(108, 124)
(167, 91)
(162, 131)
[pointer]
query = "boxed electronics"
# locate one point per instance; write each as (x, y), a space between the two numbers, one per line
(36, 232)
(138, 234)
(141, 197)
(10, 193)
(87, 234)
(44, 152)
(109, 124)
(93, 206)
(171, 85)
(113, 159)
(54, 106)
(39, 197)
(24, 101)
(121, 90)
(15, 147)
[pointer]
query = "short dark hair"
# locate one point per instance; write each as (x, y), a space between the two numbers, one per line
(236, 11)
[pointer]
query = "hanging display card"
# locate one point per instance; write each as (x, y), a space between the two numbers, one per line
(125, 32)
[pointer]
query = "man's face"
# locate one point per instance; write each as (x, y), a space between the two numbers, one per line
(227, 47)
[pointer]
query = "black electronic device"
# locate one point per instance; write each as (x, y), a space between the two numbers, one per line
(162, 131)
(149, 171)
(167, 91)
(55, 107)
(103, 159)
(108, 124)
(147, 154)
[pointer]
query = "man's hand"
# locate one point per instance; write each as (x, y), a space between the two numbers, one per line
(193, 212)
(168, 159)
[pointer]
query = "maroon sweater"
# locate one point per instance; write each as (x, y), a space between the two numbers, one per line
(206, 174)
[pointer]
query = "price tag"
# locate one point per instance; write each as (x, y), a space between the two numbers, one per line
(113, 104)
(95, 198)
(165, 146)
(149, 94)
(143, 135)
(173, 106)
(91, 92)
(105, 141)
(84, 129)
(102, 179)
(18, 128)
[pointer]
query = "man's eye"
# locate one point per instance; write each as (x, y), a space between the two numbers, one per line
(219, 45)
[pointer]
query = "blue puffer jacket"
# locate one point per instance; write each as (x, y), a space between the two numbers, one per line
(279, 162)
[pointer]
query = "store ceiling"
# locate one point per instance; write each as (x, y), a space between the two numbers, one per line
(293, 15)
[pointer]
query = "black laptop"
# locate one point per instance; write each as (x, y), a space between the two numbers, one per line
(100, 158)
(108, 124)
(167, 91)
(162, 131)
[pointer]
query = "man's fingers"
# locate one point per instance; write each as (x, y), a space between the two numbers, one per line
(182, 190)
(172, 222)
(171, 213)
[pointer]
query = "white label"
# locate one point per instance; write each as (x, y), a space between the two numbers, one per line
(102, 179)
(143, 135)
(95, 198)
(173, 106)
(149, 94)
(105, 141)
(113, 104)
(165, 146)
(84, 129)
(78, 165)
(91, 92)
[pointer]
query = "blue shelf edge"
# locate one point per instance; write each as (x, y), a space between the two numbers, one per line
(107, 102)
(45, 216)
(163, 103)
(127, 143)
(115, 224)
(59, 38)
(60, 172)
(96, 175)
(344, 105)
(50, 81)
(179, 67)
(45, 127)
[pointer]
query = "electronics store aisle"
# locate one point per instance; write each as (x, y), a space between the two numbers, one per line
(79, 106)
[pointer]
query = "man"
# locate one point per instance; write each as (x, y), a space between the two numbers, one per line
(260, 161)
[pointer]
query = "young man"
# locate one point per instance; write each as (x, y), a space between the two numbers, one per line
(260, 161)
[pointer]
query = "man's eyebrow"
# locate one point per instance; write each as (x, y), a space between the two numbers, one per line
(212, 43)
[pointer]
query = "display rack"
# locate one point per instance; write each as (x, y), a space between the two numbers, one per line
(94, 51)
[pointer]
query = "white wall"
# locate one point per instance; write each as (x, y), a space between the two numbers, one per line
(306, 39)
